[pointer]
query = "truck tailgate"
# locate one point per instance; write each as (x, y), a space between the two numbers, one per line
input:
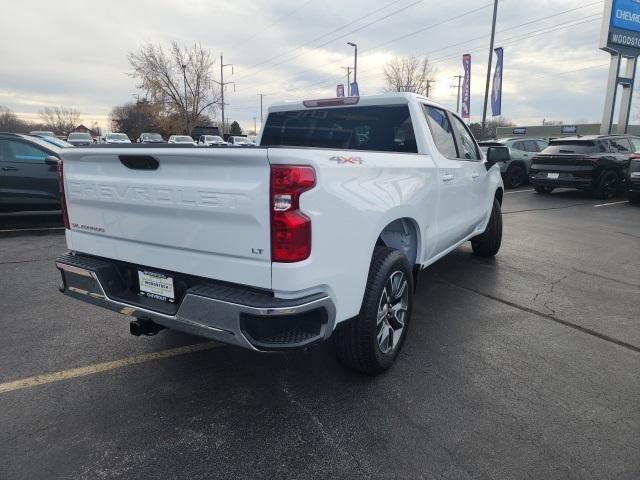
(202, 211)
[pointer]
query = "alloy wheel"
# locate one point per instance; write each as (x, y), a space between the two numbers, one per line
(392, 311)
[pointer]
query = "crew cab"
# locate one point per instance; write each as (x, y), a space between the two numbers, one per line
(319, 232)
(594, 163)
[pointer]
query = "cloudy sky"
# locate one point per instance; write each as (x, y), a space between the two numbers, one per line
(74, 53)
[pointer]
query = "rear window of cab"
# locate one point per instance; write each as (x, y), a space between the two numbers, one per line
(386, 128)
(576, 147)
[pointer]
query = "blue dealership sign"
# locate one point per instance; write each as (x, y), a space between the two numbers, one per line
(625, 14)
(621, 27)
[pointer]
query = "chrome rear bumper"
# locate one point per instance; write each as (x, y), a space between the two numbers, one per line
(229, 314)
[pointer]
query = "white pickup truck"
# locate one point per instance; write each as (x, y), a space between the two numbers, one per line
(320, 232)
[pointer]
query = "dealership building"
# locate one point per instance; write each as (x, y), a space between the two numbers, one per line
(555, 131)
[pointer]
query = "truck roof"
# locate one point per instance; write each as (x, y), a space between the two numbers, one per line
(391, 98)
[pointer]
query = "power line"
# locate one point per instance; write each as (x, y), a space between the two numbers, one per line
(441, 22)
(286, 15)
(395, 12)
(415, 32)
(507, 41)
(481, 37)
(532, 34)
(504, 42)
(323, 36)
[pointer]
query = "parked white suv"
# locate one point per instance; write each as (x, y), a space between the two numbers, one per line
(209, 140)
(115, 138)
(182, 139)
(321, 231)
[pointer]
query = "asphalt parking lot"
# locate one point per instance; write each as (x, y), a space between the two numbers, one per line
(526, 366)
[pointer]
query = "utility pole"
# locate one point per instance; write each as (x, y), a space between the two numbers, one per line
(222, 84)
(348, 69)
(186, 104)
(486, 88)
(429, 82)
(459, 77)
(261, 97)
(355, 62)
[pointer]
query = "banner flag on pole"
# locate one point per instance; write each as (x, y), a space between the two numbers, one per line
(354, 92)
(340, 90)
(466, 86)
(496, 91)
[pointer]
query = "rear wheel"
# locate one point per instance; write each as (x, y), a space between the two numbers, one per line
(516, 176)
(488, 243)
(607, 186)
(371, 341)
(543, 190)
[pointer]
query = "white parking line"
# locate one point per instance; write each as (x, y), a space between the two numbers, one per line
(612, 203)
(103, 367)
(519, 191)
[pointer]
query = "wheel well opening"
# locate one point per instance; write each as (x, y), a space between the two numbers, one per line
(498, 196)
(401, 234)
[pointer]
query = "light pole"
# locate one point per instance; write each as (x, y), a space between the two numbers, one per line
(186, 105)
(261, 95)
(355, 62)
(486, 89)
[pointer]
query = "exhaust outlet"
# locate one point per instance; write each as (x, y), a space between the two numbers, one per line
(144, 326)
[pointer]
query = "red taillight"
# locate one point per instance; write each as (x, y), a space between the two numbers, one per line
(290, 228)
(63, 200)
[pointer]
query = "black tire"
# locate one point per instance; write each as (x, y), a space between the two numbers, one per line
(515, 176)
(356, 342)
(608, 185)
(634, 197)
(543, 190)
(488, 243)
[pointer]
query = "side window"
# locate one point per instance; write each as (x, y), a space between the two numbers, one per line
(531, 146)
(620, 145)
(520, 145)
(441, 131)
(4, 151)
(541, 145)
(468, 145)
(24, 153)
(635, 144)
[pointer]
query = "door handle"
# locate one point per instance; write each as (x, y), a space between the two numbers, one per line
(447, 177)
(9, 169)
(475, 175)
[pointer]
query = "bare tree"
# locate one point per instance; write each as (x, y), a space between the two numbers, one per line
(490, 129)
(179, 79)
(409, 74)
(9, 122)
(60, 119)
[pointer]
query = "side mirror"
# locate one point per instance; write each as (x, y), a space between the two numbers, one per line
(51, 161)
(497, 154)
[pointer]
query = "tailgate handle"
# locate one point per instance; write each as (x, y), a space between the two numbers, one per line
(139, 162)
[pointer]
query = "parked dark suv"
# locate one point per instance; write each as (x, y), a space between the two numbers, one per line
(27, 182)
(633, 177)
(594, 163)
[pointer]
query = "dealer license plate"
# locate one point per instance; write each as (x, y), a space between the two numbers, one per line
(553, 176)
(156, 285)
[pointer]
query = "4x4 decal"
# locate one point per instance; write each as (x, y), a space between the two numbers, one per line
(345, 160)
